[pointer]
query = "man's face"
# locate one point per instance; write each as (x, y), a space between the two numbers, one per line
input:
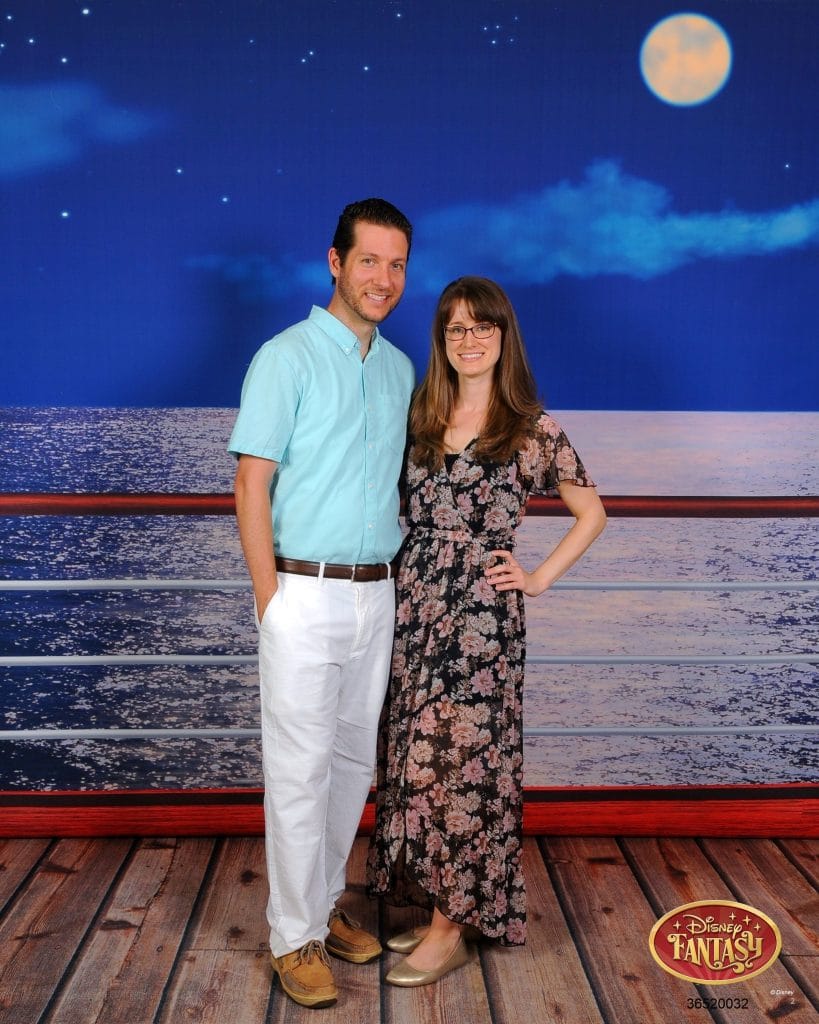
(370, 281)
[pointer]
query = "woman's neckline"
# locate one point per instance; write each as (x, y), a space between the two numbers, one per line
(467, 445)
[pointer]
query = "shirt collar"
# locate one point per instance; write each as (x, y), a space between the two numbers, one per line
(339, 332)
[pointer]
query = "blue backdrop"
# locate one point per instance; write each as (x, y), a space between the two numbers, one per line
(171, 174)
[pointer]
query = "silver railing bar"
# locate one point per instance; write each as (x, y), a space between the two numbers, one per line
(243, 584)
(13, 735)
(88, 660)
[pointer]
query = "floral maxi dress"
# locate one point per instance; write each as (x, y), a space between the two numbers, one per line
(450, 754)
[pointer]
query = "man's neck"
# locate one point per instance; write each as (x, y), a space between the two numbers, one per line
(362, 329)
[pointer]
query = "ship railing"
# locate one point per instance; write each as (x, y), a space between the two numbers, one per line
(223, 504)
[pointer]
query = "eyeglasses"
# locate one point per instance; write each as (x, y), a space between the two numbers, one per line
(479, 331)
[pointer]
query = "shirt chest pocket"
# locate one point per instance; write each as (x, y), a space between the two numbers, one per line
(387, 420)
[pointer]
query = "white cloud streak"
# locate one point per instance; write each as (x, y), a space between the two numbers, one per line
(609, 223)
(50, 125)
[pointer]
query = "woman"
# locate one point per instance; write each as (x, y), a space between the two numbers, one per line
(449, 803)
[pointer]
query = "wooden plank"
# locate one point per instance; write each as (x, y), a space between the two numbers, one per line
(217, 986)
(358, 984)
(224, 973)
(611, 920)
(675, 872)
(805, 854)
(231, 915)
(124, 965)
(18, 858)
(44, 926)
(545, 980)
(762, 876)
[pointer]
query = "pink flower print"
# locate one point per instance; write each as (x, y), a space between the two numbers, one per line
(439, 794)
(471, 642)
(473, 771)
(506, 784)
(482, 843)
(413, 824)
(444, 518)
(492, 757)
(501, 903)
(566, 462)
(463, 734)
(502, 666)
(492, 868)
(422, 777)
(516, 931)
(548, 425)
(509, 822)
(427, 492)
(496, 519)
(483, 682)
(396, 825)
(449, 876)
(427, 723)
(422, 751)
(465, 505)
(403, 612)
(433, 842)
(430, 610)
(460, 903)
(483, 492)
(483, 591)
(446, 626)
(458, 823)
(446, 556)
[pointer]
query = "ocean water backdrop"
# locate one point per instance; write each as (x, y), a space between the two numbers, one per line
(183, 450)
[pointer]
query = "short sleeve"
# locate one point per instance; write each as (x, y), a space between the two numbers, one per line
(549, 459)
(270, 397)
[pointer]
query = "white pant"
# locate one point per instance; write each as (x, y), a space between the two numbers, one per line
(324, 657)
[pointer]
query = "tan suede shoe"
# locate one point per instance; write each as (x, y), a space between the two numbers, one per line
(306, 976)
(348, 940)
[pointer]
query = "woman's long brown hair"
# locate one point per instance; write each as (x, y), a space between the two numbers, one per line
(513, 406)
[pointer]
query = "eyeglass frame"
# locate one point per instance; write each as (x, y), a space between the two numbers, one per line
(464, 330)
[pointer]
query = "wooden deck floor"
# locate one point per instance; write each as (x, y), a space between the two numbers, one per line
(155, 931)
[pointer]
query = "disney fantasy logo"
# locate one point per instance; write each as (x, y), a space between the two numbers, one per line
(715, 941)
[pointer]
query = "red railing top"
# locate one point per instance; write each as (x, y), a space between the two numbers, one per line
(640, 506)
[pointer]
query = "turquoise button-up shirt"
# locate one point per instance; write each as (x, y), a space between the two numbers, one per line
(336, 425)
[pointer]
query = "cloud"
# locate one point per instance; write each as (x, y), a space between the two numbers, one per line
(49, 125)
(609, 223)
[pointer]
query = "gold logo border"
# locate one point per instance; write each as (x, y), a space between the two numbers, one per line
(715, 903)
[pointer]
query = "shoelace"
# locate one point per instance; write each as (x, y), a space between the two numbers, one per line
(344, 917)
(312, 949)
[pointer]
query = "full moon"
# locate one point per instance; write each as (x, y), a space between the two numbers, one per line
(686, 59)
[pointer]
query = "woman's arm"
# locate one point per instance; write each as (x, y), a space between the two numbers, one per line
(590, 518)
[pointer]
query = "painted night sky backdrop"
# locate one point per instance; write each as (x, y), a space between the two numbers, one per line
(171, 172)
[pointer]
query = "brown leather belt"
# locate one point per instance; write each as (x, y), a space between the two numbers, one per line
(334, 571)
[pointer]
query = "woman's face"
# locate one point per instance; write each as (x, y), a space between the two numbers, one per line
(471, 357)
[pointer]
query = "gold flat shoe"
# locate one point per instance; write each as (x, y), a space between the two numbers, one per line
(408, 977)
(406, 942)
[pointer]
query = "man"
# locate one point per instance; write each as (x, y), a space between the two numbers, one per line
(319, 438)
